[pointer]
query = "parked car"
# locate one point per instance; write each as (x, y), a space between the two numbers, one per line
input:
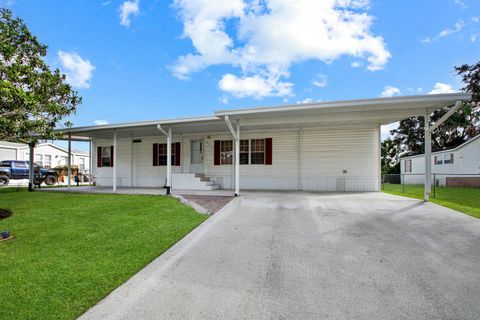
(17, 170)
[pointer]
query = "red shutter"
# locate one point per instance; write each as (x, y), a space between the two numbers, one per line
(99, 157)
(111, 156)
(177, 153)
(268, 151)
(216, 152)
(155, 154)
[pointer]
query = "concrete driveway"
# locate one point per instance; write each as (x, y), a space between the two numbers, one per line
(313, 256)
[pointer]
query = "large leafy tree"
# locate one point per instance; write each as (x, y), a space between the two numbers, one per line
(34, 100)
(460, 127)
(390, 160)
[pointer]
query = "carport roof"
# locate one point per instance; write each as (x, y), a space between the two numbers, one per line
(328, 113)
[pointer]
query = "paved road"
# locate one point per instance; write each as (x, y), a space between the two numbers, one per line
(306, 256)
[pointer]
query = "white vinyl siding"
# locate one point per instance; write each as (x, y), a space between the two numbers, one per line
(340, 159)
(462, 160)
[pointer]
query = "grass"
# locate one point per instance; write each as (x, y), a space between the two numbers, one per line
(71, 250)
(466, 200)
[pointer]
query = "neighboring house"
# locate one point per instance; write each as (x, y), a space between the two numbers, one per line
(47, 155)
(324, 146)
(459, 162)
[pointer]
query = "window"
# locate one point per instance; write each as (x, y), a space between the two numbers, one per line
(448, 158)
(81, 164)
(162, 154)
(226, 152)
(20, 164)
(48, 161)
(62, 161)
(107, 156)
(408, 166)
(439, 159)
(257, 155)
(39, 159)
(244, 150)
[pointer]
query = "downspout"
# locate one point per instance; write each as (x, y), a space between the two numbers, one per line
(428, 145)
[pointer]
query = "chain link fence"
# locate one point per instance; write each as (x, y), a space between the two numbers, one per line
(413, 183)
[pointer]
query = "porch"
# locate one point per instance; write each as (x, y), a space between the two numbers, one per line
(139, 191)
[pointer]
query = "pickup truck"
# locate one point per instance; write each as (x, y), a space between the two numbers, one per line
(17, 170)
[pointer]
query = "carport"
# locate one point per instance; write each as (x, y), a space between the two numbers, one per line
(340, 115)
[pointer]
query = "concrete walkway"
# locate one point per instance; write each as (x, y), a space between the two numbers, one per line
(310, 256)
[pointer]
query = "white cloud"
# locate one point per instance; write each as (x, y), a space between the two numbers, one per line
(461, 4)
(385, 130)
(474, 37)
(100, 122)
(390, 91)
(255, 86)
(459, 25)
(442, 88)
(79, 71)
(320, 81)
(475, 19)
(307, 100)
(269, 36)
(426, 40)
(356, 64)
(224, 99)
(127, 9)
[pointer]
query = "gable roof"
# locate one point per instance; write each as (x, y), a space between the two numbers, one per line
(11, 145)
(14, 145)
(447, 150)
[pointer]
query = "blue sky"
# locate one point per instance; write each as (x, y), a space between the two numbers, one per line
(142, 60)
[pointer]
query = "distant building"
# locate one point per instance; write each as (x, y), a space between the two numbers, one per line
(47, 155)
(457, 162)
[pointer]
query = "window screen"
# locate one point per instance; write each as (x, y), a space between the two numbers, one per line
(257, 151)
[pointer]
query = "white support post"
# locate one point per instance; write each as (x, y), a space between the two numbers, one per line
(379, 154)
(169, 155)
(428, 157)
(90, 162)
(131, 160)
(69, 163)
(300, 159)
(236, 137)
(169, 160)
(428, 145)
(114, 164)
(31, 173)
(237, 161)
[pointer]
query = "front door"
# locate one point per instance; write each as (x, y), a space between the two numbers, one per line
(196, 164)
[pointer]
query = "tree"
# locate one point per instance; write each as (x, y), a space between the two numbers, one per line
(390, 159)
(33, 99)
(460, 127)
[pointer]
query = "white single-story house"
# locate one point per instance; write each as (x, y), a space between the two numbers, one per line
(460, 162)
(47, 155)
(324, 146)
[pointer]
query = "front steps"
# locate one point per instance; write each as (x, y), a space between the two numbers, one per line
(193, 181)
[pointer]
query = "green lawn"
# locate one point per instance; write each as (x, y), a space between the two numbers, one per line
(465, 200)
(71, 250)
